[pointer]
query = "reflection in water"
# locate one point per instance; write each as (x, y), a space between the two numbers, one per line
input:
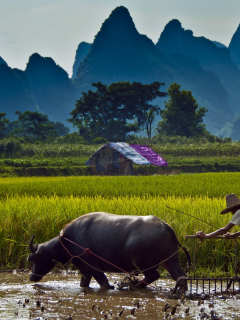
(58, 296)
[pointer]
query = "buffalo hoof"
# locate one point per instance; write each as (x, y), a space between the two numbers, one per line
(181, 284)
(108, 287)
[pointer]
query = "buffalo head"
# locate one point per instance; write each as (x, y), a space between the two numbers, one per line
(41, 256)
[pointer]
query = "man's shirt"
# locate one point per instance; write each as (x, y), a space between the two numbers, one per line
(236, 218)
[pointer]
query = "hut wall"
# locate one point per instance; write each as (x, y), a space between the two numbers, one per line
(111, 162)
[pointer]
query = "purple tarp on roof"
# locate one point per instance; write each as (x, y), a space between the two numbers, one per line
(150, 155)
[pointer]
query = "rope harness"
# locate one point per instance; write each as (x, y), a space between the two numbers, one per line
(89, 253)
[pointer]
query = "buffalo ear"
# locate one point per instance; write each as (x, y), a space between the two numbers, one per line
(35, 255)
(32, 247)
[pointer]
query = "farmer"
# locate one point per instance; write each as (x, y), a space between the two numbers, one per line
(233, 206)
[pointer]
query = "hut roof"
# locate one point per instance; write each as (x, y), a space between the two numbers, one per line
(150, 155)
(139, 154)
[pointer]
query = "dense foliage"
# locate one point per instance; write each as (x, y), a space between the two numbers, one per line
(31, 126)
(3, 124)
(110, 111)
(182, 116)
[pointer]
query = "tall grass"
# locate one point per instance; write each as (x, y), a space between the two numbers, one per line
(45, 216)
(197, 185)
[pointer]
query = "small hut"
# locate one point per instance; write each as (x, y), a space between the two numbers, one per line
(117, 158)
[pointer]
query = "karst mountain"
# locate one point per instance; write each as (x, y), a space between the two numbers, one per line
(120, 53)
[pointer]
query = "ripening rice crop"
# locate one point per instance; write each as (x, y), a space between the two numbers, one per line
(21, 216)
(212, 185)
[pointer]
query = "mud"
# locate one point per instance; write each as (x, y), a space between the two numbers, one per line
(58, 296)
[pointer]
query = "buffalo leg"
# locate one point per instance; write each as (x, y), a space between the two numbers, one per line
(150, 276)
(85, 280)
(86, 275)
(174, 269)
(101, 279)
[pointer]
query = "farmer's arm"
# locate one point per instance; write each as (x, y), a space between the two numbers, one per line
(232, 235)
(216, 233)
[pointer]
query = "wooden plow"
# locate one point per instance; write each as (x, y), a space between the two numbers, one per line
(213, 285)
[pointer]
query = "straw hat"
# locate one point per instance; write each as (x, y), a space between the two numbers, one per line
(232, 202)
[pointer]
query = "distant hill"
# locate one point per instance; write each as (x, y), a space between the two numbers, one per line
(3, 61)
(15, 92)
(120, 53)
(53, 90)
(234, 47)
(174, 39)
(219, 44)
(81, 53)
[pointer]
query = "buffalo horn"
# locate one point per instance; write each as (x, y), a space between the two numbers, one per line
(32, 247)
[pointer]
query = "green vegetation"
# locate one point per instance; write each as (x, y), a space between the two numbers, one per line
(44, 205)
(31, 126)
(174, 146)
(16, 149)
(46, 162)
(107, 112)
(67, 155)
(3, 124)
(182, 116)
(209, 185)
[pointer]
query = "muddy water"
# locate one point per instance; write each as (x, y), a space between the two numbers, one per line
(58, 296)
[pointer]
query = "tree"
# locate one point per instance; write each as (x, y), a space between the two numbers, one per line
(182, 116)
(116, 110)
(71, 138)
(34, 126)
(134, 101)
(60, 128)
(150, 117)
(3, 124)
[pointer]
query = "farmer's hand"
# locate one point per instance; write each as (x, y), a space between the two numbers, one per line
(229, 235)
(201, 234)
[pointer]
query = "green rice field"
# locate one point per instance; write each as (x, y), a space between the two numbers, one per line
(44, 205)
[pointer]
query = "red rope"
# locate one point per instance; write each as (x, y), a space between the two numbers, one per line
(89, 253)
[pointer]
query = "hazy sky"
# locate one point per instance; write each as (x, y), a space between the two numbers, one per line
(54, 28)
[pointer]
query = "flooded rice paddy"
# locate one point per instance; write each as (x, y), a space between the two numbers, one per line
(58, 296)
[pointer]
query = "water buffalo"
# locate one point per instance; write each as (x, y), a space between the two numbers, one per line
(101, 242)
